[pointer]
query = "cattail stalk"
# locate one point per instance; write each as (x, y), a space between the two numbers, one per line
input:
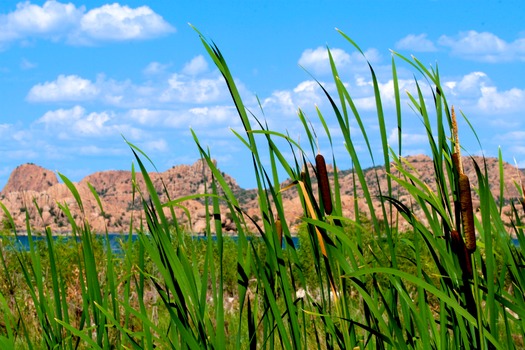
(324, 183)
(457, 148)
(467, 214)
(459, 248)
(279, 229)
(465, 195)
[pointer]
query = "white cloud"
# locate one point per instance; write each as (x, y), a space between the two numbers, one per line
(150, 117)
(418, 43)
(190, 90)
(159, 145)
(215, 115)
(469, 84)
(117, 22)
(484, 47)
(200, 117)
(494, 101)
(280, 101)
(62, 116)
(64, 88)
(93, 124)
(58, 21)
(196, 66)
(317, 60)
(477, 92)
(50, 20)
(305, 95)
(407, 139)
(176, 88)
(68, 124)
(155, 68)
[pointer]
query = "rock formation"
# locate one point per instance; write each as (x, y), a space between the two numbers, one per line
(30, 184)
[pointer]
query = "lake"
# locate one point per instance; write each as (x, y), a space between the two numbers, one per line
(115, 240)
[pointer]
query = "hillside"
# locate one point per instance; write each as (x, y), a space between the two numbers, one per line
(29, 184)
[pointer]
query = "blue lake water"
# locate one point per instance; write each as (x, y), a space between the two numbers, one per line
(116, 240)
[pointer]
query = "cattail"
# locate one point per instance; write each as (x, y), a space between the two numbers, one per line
(279, 230)
(459, 248)
(456, 157)
(465, 197)
(467, 214)
(324, 184)
(457, 245)
(456, 162)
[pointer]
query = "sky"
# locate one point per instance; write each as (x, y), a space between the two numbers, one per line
(76, 78)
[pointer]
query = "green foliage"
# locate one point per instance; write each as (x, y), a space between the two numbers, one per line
(352, 282)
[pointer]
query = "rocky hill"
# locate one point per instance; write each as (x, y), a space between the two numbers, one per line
(30, 184)
(30, 177)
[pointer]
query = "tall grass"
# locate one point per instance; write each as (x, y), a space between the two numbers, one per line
(354, 282)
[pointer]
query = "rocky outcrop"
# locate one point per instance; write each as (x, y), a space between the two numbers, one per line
(30, 177)
(120, 202)
(119, 199)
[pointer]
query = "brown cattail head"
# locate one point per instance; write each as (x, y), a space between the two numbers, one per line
(459, 248)
(467, 213)
(324, 184)
(279, 231)
(456, 242)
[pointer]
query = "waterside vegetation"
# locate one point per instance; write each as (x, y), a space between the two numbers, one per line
(452, 280)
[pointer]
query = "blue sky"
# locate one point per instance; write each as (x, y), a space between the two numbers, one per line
(75, 76)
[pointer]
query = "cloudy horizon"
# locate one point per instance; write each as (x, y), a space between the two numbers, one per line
(77, 78)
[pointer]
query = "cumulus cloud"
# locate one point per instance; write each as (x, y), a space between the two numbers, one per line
(196, 66)
(193, 85)
(494, 101)
(64, 88)
(59, 21)
(207, 116)
(155, 68)
(408, 139)
(484, 47)
(187, 89)
(317, 60)
(418, 43)
(76, 122)
(304, 95)
(72, 88)
(159, 145)
(476, 90)
(52, 20)
(117, 22)
(469, 84)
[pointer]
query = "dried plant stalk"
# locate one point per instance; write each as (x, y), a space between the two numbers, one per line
(457, 148)
(465, 196)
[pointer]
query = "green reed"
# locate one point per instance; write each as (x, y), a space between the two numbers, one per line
(354, 282)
